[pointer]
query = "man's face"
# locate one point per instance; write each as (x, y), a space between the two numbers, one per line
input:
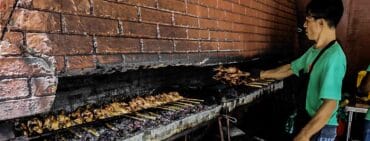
(312, 28)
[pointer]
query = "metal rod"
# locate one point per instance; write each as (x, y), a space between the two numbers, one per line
(220, 128)
(228, 129)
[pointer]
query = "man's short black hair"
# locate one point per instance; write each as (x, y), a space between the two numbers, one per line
(330, 10)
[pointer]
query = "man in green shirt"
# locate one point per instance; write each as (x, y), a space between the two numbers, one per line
(324, 64)
(365, 88)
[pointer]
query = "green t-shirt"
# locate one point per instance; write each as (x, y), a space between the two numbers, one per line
(368, 110)
(325, 79)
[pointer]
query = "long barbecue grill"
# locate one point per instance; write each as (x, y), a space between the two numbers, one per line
(159, 115)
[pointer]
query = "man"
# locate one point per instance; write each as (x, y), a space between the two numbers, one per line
(365, 88)
(324, 64)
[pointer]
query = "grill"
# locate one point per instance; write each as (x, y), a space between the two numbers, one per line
(166, 107)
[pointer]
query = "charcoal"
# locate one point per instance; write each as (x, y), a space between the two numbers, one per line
(107, 136)
(88, 137)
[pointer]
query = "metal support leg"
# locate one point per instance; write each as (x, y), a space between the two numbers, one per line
(228, 129)
(220, 128)
(349, 124)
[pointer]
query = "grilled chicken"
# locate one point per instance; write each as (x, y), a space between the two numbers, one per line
(88, 114)
(48, 122)
(64, 121)
(232, 76)
(100, 113)
(24, 129)
(35, 125)
(76, 116)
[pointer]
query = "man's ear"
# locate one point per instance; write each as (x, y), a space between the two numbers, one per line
(321, 22)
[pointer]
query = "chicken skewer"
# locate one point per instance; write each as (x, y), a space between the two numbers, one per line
(89, 114)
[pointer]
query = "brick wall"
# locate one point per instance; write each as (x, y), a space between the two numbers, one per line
(46, 39)
(357, 41)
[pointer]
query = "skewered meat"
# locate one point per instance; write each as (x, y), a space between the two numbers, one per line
(121, 108)
(108, 109)
(64, 121)
(100, 113)
(234, 76)
(76, 116)
(34, 125)
(88, 114)
(24, 129)
(51, 123)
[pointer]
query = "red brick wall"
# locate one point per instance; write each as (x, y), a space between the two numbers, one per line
(46, 39)
(357, 41)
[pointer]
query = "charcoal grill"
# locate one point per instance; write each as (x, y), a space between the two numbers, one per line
(210, 99)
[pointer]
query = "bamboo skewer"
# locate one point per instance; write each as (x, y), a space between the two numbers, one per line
(192, 102)
(173, 107)
(167, 109)
(193, 99)
(179, 105)
(154, 114)
(74, 133)
(182, 103)
(133, 117)
(145, 116)
(112, 127)
(268, 80)
(150, 115)
(259, 83)
(251, 85)
(91, 131)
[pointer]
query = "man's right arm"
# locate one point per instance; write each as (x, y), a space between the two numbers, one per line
(278, 73)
